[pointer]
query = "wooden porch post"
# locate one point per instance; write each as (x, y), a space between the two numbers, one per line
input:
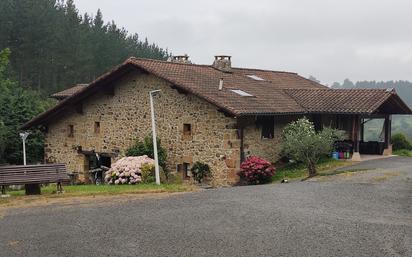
(362, 130)
(355, 137)
(388, 133)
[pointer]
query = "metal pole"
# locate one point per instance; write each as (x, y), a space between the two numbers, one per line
(24, 151)
(157, 174)
(23, 136)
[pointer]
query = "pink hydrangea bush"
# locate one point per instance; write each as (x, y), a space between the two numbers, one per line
(127, 170)
(256, 170)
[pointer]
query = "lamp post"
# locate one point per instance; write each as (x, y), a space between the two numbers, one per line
(24, 136)
(157, 174)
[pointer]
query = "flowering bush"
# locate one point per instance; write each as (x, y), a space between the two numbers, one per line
(256, 170)
(127, 170)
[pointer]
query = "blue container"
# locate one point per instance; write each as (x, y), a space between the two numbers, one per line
(335, 155)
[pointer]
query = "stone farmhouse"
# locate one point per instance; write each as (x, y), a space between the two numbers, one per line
(216, 114)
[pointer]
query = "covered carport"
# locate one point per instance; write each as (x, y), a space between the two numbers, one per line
(350, 110)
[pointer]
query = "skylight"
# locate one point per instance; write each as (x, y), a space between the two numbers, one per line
(252, 76)
(240, 92)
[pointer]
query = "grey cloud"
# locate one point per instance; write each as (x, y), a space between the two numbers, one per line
(330, 39)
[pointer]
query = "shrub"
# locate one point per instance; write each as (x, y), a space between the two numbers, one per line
(146, 148)
(200, 171)
(256, 170)
(403, 152)
(400, 141)
(146, 172)
(302, 143)
(127, 170)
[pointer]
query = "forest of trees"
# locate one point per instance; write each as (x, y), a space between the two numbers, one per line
(47, 46)
(53, 46)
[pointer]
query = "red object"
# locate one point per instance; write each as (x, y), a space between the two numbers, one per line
(256, 170)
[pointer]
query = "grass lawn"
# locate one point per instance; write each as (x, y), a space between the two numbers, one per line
(299, 170)
(403, 152)
(93, 190)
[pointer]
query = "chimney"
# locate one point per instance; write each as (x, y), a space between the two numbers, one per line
(223, 63)
(181, 59)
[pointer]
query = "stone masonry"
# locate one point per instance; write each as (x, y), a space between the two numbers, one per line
(124, 117)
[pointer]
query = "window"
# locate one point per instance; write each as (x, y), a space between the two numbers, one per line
(184, 169)
(252, 76)
(268, 127)
(70, 131)
(187, 129)
(97, 127)
(240, 92)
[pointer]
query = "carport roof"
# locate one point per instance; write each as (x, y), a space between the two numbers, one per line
(349, 101)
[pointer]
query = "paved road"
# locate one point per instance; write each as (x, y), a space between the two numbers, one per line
(364, 214)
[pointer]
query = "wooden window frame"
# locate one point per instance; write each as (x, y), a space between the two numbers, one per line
(267, 127)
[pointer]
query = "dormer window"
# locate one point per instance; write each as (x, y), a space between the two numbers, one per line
(241, 92)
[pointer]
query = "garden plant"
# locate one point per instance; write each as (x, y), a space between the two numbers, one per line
(256, 170)
(302, 143)
(200, 171)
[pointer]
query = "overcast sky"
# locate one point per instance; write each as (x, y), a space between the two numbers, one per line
(329, 39)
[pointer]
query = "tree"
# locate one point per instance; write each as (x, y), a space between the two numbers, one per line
(17, 106)
(347, 84)
(54, 46)
(146, 148)
(302, 143)
(314, 79)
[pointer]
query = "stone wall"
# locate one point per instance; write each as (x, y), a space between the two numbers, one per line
(268, 148)
(125, 117)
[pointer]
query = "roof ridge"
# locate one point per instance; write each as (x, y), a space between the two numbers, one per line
(257, 69)
(207, 65)
(132, 58)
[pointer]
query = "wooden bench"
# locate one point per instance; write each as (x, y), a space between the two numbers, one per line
(33, 175)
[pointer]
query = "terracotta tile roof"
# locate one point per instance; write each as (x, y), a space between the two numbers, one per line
(350, 101)
(68, 92)
(273, 92)
(203, 81)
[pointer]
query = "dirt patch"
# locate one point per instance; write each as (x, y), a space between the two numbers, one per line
(386, 176)
(358, 176)
(38, 201)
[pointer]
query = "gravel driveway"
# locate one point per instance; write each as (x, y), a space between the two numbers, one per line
(353, 215)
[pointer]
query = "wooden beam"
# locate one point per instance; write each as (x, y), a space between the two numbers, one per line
(388, 132)
(109, 90)
(355, 132)
(79, 108)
